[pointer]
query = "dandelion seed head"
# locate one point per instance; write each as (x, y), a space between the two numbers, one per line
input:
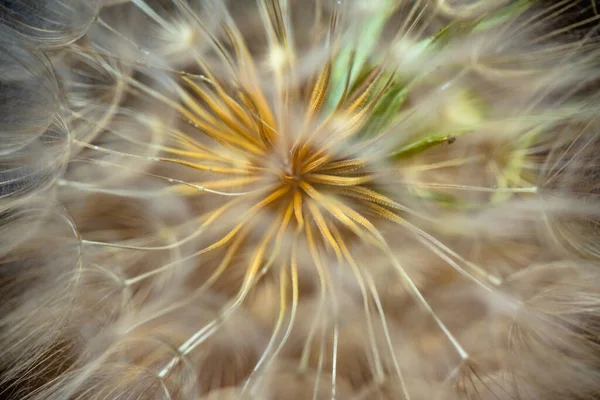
(328, 199)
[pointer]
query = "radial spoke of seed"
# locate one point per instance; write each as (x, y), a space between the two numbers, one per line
(216, 274)
(434, 185)
(335, 180)
(419, 296)
(539, 18)
(274, 22)
(375, 146)
(567, 28)
(356, 120)
(192, 145)
(196, 106)
(283, 284)
(225, 183)
(406, 279)
(201, 167)
(318, 94)
(336, 334)
(281, 49)
(251, 276)
(325, 287)
(239, 105)
(220, 50)
(198, 155)
(363, 290)
(248, 74)
(133, 193)
(221, 136)
(266, 132)
(404, 30)
(346, 215)
(169, 266)
(323, 228)
(382, 212)
(222, 108)
(211, 217)
(144, 143)
(360, 103)
(294, 308)
(123, 38)
(287, 218)
(233, 105)
(349, 73)
(356, 96)
(364, 91)
(344, 166)
(325, 280)
(202, 189)
(320, 362)
(245, 218)
(91, 188)
(318, 316)
(284, 216)
(349, 222)
(371, 196)
(422, 26)
(114, 152)
(209, 186)
(435, 245)
(146, 9)
(387, 334)
(353, 126)
(451, 163)
(298, 208)
(563, 156)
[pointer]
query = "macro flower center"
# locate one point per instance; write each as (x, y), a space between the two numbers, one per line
(291, 173)
(290, 177)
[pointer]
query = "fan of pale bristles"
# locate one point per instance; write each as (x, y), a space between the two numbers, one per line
(285, 199)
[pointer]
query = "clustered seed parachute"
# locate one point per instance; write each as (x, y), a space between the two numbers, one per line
(289, 199)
